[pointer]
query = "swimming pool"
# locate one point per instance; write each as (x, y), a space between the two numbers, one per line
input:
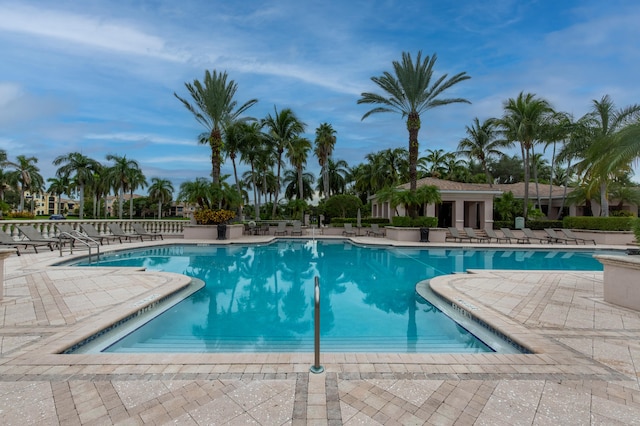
(259, 298)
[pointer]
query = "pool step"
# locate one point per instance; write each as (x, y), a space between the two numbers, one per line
(328, 344)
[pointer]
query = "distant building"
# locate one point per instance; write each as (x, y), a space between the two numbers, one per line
(471, 204)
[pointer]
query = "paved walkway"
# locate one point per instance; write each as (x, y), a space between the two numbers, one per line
(585, 369)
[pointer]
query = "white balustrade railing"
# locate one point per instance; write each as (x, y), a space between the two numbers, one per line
(48, 229)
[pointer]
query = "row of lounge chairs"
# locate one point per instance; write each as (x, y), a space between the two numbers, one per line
(31, 237)
(508, 236)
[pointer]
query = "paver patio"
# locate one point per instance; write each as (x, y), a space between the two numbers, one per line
(585, 369)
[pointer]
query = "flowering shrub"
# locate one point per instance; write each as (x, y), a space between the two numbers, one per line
(209, 216)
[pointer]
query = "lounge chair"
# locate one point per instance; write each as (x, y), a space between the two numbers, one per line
(471, 233)
(376, 231)
(569, 233)
(264, 229)
(348, 230)
(35, 236)
(531, 236)
(297, 228)
(456, 236)
(554, 237)
(139, 229)
(7, 241)
(493, 236)
(118, 232)
(281, 229)
(520, 240)
(93, 233)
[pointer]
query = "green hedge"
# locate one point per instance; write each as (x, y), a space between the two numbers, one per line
(542, 224)
(636, 229)
(365, 221)
(419, 222)
(599, 223)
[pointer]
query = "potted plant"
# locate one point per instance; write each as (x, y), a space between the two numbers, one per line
(214, 217)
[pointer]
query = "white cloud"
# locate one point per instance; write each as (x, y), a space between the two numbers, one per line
(102, 33)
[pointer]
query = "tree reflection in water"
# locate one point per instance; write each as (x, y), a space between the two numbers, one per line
(260, 298)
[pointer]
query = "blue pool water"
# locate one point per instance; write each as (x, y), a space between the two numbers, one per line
(259, 298)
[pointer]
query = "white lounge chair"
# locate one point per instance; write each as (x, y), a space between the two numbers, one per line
(348, 230)
(282, 229)
(471, 233)
(376, 231)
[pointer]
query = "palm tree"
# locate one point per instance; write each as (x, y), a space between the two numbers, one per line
(213, 106)
(292, 188)
(325, 141)
(297, 155)
(411, 92)
(481, 144)
(136, 180)
(338, 175)
(283, 128)
(253, 151)
(524, 121)
(435, 162)
(58, 186)
(161, 191)
(612, 130)
(196, 192)
(121, 174)
(25, 177)
(78, 168)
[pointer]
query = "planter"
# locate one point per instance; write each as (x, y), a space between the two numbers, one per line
(621, 286)
(222, 231)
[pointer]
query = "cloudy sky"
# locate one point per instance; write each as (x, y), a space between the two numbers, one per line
(99, 76)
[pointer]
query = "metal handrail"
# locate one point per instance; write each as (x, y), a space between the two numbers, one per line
(81, 238)
(316, 368)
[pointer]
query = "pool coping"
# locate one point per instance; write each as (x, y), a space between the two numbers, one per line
(545, 352)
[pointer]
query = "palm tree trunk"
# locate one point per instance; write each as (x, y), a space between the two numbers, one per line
(300, 188)
(275, 200)
(413, 125)
(525, 157)
(235, 175)
(564, 194)
(131, 204)
(160, 208)
(553, 160)
(81, 211)
(120, 202)
(604, 200)
(535, 177)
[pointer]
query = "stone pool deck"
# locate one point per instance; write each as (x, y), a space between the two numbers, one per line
(586, 368)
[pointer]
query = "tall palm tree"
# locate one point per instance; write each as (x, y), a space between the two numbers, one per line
(612, 129)
(411, 92)
(481, 143)
(58, 186)
(136, 180)
(25, 177)
(338, 175)
(254, 152)
(213, 104)
(161, 191)
(291, 182)
(325, 141)
(78, 168)
(283, 128)
(297, 154)
(121, 174)
(524, 121)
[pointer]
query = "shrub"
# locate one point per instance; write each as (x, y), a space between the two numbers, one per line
(209, 216)
(542, 224)
(598, 223)
(636, 229)
(419, 222)
(21, 215)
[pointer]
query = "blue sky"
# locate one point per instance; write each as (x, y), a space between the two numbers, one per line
(98, 76)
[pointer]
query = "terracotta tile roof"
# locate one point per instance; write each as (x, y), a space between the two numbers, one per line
(516, 188)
